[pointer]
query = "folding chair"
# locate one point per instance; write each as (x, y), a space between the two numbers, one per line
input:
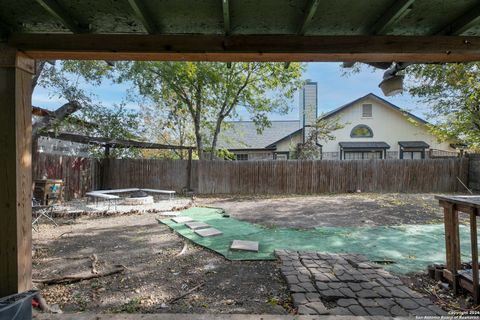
(41, 211)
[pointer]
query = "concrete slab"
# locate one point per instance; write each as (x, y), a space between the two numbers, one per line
(209, 232)
(194, 225)
(182, 219)
(244, 245)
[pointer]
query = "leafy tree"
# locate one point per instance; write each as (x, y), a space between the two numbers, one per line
(81, 114)
(210, 92)
(453, 93)
(320, 131)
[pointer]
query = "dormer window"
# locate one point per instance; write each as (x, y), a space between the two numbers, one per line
(367, 110)
(361, 131)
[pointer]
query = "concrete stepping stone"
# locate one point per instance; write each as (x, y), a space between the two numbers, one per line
(170, 213)
(244, 245)
(182, 219)
(208, 232)
(194, 225)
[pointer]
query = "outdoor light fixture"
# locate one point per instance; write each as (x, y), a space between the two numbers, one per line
(392, 85)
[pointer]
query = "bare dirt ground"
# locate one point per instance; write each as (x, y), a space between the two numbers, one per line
(154, 273)
(344, 210)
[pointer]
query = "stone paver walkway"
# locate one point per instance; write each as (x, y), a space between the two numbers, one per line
(348, 284)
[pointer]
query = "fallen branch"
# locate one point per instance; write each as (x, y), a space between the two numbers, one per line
(63, 258)
(79, 277)
(184, 249)
(186, 293)
(68, 232)
(94, 263)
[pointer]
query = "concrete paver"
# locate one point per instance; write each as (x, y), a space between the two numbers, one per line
(350, 285)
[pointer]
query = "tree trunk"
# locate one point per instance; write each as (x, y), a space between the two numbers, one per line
(198, 135)
(58, 115)
(215, 137)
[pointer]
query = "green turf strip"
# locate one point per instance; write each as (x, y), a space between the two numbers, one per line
(411, 247)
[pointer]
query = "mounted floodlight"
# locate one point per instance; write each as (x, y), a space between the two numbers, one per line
(392, 86)
(392, 82)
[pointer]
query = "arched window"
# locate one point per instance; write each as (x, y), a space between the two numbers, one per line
(361, 131)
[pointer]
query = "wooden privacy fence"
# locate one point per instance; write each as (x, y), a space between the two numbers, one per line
(258, 177)
(79, 175)
(303, 177)
(148, 173)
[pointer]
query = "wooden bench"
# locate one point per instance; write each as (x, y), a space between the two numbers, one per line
(101, 195)
(171, 193)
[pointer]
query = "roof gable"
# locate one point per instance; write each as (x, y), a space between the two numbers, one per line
(379, 99)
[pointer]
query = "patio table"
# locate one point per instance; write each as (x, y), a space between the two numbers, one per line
(452, 205)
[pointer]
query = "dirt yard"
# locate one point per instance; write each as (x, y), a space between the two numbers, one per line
(347, 210)
(155, 273)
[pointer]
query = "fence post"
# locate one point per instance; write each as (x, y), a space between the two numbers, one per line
(189, 170)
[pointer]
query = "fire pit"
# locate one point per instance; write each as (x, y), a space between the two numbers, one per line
(138, 198)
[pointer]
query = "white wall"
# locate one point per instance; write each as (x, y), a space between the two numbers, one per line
(388, 125)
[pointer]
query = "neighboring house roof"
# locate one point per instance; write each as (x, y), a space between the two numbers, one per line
(374, 96)
(243, 134)
(413, 144)
(365, 145)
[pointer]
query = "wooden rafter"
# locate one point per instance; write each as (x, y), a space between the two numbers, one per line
(395, 12)
(248, 48)
(461, 24)
(144, 16)
(308, 17)
(56, 10)
(226, 16)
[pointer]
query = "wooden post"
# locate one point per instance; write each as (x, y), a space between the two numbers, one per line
(16, 71)
(189, 170)
(473, 239)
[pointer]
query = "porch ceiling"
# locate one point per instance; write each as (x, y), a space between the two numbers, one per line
(313, 30)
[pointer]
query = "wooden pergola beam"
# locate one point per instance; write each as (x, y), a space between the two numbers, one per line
(56, 10)
(308, 17)
(226, 16)
(142, 13)
(112, 143)
(395, 12)
(248, 48)
(463, 23)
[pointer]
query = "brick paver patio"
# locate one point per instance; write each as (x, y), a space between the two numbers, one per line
(348, 284)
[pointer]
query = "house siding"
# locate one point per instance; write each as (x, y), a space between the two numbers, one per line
(388, 125)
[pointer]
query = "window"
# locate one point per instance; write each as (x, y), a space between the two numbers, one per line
(412, 155)
(281, 156)
(361, 131)
(362, 155)
(242, 156)
(367, 110)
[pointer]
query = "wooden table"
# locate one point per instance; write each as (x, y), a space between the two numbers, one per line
(452, 205)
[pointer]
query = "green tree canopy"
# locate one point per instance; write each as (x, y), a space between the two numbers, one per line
(209, 93)
(453, 93)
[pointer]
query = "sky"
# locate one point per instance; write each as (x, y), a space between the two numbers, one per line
(334, 90)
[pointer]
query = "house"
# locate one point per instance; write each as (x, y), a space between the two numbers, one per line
(373, 128)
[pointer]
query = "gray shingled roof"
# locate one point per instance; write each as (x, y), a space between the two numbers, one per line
(243, 134)
(364, 145)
